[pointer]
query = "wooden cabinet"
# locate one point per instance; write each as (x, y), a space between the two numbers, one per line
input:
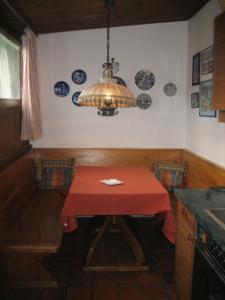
(184, 254)
(219, 64)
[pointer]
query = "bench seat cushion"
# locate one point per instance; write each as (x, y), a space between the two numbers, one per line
(39, 229)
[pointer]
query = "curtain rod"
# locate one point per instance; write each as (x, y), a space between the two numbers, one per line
(12, 9)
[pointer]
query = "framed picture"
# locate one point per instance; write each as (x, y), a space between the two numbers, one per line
(194, 100)
(196, 69)
(205, 103)
(207, 61)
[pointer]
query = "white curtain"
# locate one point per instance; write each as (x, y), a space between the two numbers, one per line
(10, 69)
(31, 117)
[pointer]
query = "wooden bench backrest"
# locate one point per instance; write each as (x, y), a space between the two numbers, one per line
(17, 184)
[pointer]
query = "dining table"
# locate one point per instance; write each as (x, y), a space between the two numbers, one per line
(131, 190)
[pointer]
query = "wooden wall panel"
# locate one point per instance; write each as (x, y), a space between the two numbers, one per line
(11, 145)
(221, 116)
(202, 173)
(112, 157)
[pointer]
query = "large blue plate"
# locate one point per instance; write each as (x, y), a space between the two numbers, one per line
(61, 89)
(144, 79)
(79, 76)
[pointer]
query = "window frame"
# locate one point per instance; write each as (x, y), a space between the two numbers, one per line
(11, 103)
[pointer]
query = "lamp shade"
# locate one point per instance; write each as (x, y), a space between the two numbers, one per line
(107, 94)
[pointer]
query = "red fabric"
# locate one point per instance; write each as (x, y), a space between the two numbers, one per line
(140, 194)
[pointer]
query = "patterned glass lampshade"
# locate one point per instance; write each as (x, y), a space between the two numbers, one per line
(107, 95)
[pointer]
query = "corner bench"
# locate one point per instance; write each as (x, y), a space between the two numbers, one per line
(30, 226)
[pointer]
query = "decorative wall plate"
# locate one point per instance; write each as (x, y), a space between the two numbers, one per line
(61, 89)
(144, 80)
(75, 98)
(143, 101)
(170, 89)
(119, 81)
(79, 76)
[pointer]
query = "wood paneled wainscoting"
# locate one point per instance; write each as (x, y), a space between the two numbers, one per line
(112, 157)
(201, 172)
(12, 146)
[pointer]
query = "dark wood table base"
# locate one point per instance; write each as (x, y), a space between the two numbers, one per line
(139, 262)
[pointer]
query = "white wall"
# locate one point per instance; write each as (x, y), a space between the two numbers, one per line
(160, 48)
(205, 136)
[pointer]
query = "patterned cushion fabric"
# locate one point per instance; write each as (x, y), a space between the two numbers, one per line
(171, 175)
(55, 173)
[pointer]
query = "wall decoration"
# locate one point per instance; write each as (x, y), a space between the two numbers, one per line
(143, 101)
(61, 89)
(196, 69)
(144, 80)
(194, 100)
(205, 103)
(119, 81)
(170, 89)
(207, 60)
(79, 76)
(75, 98)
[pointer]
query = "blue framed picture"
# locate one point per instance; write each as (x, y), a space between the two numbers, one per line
(205, 103)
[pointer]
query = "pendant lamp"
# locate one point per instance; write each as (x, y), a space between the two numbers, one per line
(107, 95)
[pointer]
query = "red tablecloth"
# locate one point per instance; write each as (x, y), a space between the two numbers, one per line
(140, 194)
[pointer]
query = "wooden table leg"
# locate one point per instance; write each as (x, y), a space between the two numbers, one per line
(100, 235)
(139, 262)
(131, 240)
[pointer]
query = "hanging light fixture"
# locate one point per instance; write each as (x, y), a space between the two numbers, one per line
(107, 95)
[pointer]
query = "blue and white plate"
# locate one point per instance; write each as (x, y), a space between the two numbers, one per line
(144, 80)
(79, 76)
(75, 98)
(170, 89)
(61, 89)
(143, 101)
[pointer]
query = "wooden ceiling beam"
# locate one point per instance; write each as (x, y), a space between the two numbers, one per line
(18, 15)
(222, 4)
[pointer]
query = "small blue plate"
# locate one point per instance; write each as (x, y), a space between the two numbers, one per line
(119, 81)
(79, 76)
(143, 101)
(61, 89)
(75, 98)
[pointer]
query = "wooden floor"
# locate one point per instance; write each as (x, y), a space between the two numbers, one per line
(157, 284)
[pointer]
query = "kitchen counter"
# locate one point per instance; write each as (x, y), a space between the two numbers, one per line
(196, 200)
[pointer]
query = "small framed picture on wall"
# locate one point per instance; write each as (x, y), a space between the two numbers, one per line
(196, 69)
(207, 60)
(194, 100)
(205, 103)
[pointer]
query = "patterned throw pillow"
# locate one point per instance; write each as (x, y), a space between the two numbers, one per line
(172, 175)
(55, 173)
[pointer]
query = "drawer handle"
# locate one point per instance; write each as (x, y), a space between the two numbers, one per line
(190, 238)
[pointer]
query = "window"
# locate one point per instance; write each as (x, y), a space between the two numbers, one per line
(9, 69)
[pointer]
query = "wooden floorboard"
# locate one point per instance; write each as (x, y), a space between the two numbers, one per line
(75, 284)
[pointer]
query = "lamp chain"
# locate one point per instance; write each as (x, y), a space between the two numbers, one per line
(108, 35)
